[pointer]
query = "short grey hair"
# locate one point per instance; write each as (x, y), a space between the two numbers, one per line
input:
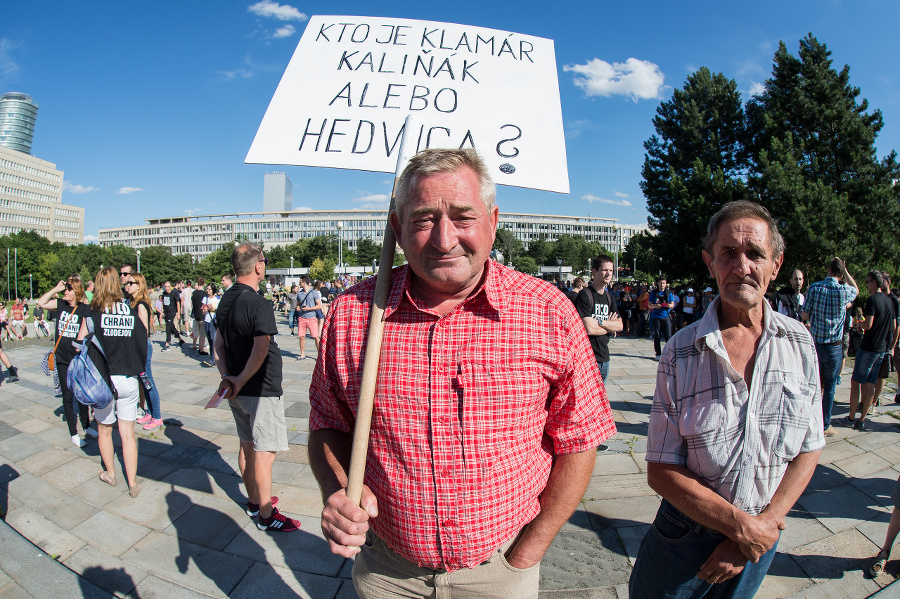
(743, 209)
(245, 257)
(434, 161)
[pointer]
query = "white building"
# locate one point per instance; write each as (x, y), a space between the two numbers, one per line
(278, 193)
(200, 235)
(31, 199)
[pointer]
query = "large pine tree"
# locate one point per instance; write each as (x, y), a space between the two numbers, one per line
(816, 166)
(695, 163)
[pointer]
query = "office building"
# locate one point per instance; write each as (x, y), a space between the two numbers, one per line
(200, 235)
(277, 193)
(18, 113)
(31, 199)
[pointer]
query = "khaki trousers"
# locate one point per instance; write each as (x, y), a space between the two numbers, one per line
(380, 573)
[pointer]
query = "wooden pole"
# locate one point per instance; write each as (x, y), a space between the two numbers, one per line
(376, 331)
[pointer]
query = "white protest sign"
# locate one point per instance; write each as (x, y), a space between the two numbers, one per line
(352, 80)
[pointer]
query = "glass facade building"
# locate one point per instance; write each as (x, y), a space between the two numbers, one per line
(18, 114)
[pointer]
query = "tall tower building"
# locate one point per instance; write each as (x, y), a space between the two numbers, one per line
(18, 113)
(278, 193)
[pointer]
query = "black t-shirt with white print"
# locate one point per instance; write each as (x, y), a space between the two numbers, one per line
(123, 337)
(67, 327)
(170, 303)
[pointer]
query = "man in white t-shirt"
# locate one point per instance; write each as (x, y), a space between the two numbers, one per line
(308, 301)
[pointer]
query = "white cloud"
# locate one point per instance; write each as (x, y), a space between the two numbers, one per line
(756, 88)
(77, 189)
(236, 74)
(273, 10)
(619, 194)
(91, 239)
(634, 78)
(127, 190)
(592, 198)
(375, 201)
(193, 211)
(8, 66)
(284, 31)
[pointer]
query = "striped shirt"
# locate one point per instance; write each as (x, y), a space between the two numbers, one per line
(826, 302)
(739, 441)
(470, 409)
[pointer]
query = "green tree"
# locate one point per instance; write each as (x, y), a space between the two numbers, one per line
(817, 168)
(321, 269)
(366, 251)
(695, 163)
(527, 264)
(506, 242)
(639, 251)
(540, 250)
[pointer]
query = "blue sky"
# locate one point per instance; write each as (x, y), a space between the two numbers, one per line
(150, 108)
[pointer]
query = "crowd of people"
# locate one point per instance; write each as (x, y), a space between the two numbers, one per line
(491, 397)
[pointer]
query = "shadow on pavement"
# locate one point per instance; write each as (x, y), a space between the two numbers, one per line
(7, 473)
(115, 581)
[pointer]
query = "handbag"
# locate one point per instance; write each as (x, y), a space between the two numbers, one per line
(50, 358)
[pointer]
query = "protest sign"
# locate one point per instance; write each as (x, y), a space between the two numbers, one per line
(353, 80)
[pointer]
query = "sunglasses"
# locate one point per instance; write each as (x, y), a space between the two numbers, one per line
(68, 287)
(266, 260)
(130, 283)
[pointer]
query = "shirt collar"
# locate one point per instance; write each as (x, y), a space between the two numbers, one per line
(708, 330)
(494, 286)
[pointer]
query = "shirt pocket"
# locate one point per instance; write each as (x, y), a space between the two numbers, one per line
(703, 428)
(792, 417)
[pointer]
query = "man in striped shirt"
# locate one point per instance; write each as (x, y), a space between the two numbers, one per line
(735, 428)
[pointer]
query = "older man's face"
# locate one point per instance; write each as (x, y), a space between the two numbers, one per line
(742, 263)
(446, 231)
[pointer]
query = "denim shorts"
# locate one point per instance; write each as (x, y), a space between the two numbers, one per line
(867, 366)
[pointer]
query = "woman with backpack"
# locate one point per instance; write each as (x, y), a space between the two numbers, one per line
(122, 333)
(136, 288)
(70, 311)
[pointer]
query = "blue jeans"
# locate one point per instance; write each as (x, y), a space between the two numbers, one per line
(662, 331)
(830, 358)
(292, 319)
(211, 335)
(674, 550)
(604, 370)
(153, 395)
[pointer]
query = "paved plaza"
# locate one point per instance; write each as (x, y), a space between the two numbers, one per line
(187, 535)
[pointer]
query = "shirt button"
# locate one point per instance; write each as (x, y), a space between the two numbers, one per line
(445, 473)
(447, 524)
(752, 415)
(443, 420)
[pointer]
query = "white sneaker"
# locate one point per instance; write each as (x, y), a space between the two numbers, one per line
(78, 441)
(91, 433)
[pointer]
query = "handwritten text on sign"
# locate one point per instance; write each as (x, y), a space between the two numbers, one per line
(352, 80)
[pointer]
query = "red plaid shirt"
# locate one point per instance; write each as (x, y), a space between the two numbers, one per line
(469, 409)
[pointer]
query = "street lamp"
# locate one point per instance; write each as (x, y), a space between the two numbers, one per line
(139, 260)
(30, 289)
(340, 225)
(559, 263)
(616, 241)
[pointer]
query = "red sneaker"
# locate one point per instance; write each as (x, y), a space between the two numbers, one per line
(253, 508)
(278, 522)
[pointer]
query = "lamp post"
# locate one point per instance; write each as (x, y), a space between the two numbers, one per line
(340, 225)
(139, 260)
(559, 263)
(616, 241)
(30, 288)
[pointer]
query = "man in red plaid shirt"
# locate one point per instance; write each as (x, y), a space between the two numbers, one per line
(488, 408)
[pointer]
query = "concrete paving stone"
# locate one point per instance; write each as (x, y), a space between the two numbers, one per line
(802, 529)
(226, 442)
(156, 507)
(68, 512)
(838, 450)
(106, 571)
(579, 521)
(220, 462)
(33, 426)
(347, 591)
(303, 550)
(878, 486)
(306, 480)
(198, 423)
(875, 441)
(97, 495)
(876, 528)
(273, 582)
(784, 578)
(190, 435)
(284, 472)
(826, 477)
(20, 446)
(45, 461)
(110, 533)
(44, 533)
(839, 508)
(297, 410)
(862, 465)
(581, 560)
(73, 473)
(4, 579)
(631, 537)
(838, 556)
(623, 512)
(610, 592)
(152, 447)
(154, 587)
(208, 527)
(616, 487)
(299, 500)
(8, 419)
(891, 453)
(849, 586)
(347, 569)
(300, 439)
(205, 570)
(216, 484)
(154, 469)
(615, 463)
